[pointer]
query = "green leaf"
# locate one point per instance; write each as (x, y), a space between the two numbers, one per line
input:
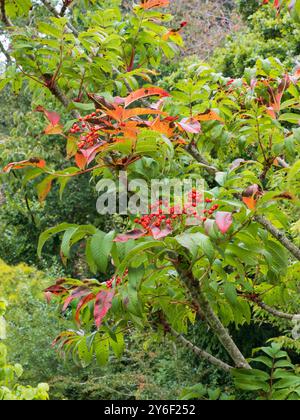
(118, 345)
(265, 360)
(291, 118)
(85, 355)
(45, 236)
(230, 293)
(65, 245)
(137, 250)
(101, 246)
(101, 349)
(195, 242)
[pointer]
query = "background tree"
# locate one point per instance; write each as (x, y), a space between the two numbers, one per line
(241, 135)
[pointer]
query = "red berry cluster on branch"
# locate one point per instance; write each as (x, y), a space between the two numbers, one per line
(89, 132)
(163, 216)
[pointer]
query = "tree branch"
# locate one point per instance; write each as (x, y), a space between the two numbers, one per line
(211, 318)
(64, 8)
(279, 235)
(199, 352)
(5, 19)
(192, 149)
(275, 312)
(63, 99)
(55, 13)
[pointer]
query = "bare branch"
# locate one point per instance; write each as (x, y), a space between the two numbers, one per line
(54, 89)
(199, 352)
(275, 312)
(280, 236)
(195, 289)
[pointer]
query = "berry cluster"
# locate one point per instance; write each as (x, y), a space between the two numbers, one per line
(90, 133)
(163, 216)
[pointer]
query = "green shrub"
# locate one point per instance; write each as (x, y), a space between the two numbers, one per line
(10, 374)
(267, 35)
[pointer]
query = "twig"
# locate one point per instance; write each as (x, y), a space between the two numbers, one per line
(54, 89)
(279, 235)
(275, 312)
(55, 13)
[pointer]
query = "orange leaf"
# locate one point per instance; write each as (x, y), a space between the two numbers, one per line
(151, 4)
(209, 116)
(117, 113)
(44, 188)
(130, 129)
(174, 34)
(144, 93)
(35, 162)
(250, 202)
(163, 126)
(81, 161)
(135, 112)
(53, 129)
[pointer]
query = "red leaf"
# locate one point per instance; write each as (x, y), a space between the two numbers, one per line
(102, 305)
(82, 304)
(48, 297)
(160, 234)
(35, 162)
(224, 221)
(144, 93)
(53, 117)
(151, 4)
(134, 234)
(190, 125)
(76, 294)
(56, 289)
(90, 154)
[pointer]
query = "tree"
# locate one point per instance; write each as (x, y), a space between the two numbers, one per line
(240, 135)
